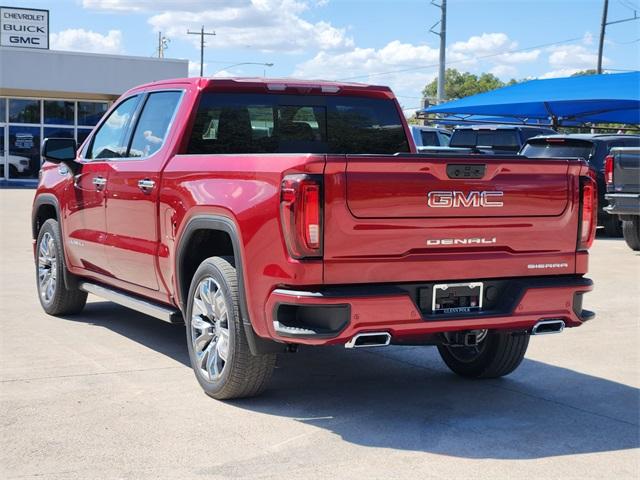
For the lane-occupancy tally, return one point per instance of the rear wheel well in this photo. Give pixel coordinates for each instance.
(200, 245)
(44, 213)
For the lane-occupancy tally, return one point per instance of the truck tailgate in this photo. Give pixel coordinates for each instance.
(626, 170)
(414, 218)
(397, 188)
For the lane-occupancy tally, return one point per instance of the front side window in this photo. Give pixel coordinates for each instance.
(110, 141)
(269, 123)
(153, 126)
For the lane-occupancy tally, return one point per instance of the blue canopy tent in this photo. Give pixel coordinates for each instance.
(608, 98)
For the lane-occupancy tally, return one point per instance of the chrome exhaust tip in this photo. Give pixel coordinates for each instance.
(545, 327)
(369, 339)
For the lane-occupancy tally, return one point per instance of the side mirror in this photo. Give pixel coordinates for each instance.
(57, 150)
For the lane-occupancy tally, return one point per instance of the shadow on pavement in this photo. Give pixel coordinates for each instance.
(405, 398)
(152, 333)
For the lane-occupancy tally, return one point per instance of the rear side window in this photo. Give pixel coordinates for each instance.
(263, 123)
(153, 126)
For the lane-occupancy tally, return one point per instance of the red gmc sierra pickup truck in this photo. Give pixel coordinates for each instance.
(265, 214)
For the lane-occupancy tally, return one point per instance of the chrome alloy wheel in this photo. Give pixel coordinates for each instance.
(210, 328)
(47, 267)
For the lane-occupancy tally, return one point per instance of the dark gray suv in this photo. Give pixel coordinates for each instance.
(593, 148)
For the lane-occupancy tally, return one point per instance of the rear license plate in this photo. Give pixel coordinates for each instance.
(457, 298)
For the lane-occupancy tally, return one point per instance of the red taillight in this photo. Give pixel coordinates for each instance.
(311, 215)
(301, 216)
(588, 215)
(608, 169)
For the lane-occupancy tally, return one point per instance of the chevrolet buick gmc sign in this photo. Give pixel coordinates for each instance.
(24, 27)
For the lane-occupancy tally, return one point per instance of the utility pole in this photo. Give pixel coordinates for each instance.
(202, 33)
(163, 44)
(603, 27)
(443, 46)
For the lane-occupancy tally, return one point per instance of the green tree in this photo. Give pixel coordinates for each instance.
(462, 84)
(591, 71)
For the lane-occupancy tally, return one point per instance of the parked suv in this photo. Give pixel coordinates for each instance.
(593, 148)
(266, 214)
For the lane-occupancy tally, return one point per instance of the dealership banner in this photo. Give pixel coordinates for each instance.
(24, 27)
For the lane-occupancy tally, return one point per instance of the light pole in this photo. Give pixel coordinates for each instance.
(245, 63)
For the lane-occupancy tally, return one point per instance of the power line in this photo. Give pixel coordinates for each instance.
(628, 4)
(481, 57)
(625, 43)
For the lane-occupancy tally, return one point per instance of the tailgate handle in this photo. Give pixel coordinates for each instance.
(461, 170)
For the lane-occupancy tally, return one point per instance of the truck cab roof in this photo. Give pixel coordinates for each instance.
(275, 85)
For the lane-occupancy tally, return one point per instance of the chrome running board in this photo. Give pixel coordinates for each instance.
(162, 312)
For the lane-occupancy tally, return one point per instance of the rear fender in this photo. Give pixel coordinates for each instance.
(257, 344)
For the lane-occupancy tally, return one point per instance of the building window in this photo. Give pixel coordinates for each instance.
(24, 111)
(89, 113)
(59, 112)
(57, 132)
(24, 122)
(2, 173)
(83, 133)
(24, 151)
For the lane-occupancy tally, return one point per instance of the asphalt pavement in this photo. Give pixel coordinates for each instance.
(109, 394)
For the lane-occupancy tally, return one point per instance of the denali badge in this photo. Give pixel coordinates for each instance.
(443, 199)
(461, 241)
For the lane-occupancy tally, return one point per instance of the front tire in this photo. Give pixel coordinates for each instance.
(218, 348)
(631, 232)
(54, 295)
(497, 355)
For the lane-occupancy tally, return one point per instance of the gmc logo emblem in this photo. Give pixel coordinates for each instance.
(455, 199)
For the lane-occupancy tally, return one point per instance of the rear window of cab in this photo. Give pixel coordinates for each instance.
(272, 123)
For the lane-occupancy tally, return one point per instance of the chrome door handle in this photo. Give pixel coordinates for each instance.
(99, 182)
(146, 184)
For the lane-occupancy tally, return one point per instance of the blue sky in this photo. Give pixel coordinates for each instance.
(367, 41)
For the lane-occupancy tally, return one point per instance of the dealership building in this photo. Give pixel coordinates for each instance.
(48, 93)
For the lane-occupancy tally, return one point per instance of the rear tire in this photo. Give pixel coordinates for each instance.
(497, 355)
(54, 295)
(613, 227)
(218, 348)
(631, 232)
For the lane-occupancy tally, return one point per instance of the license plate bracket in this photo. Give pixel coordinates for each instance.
(452, 298)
